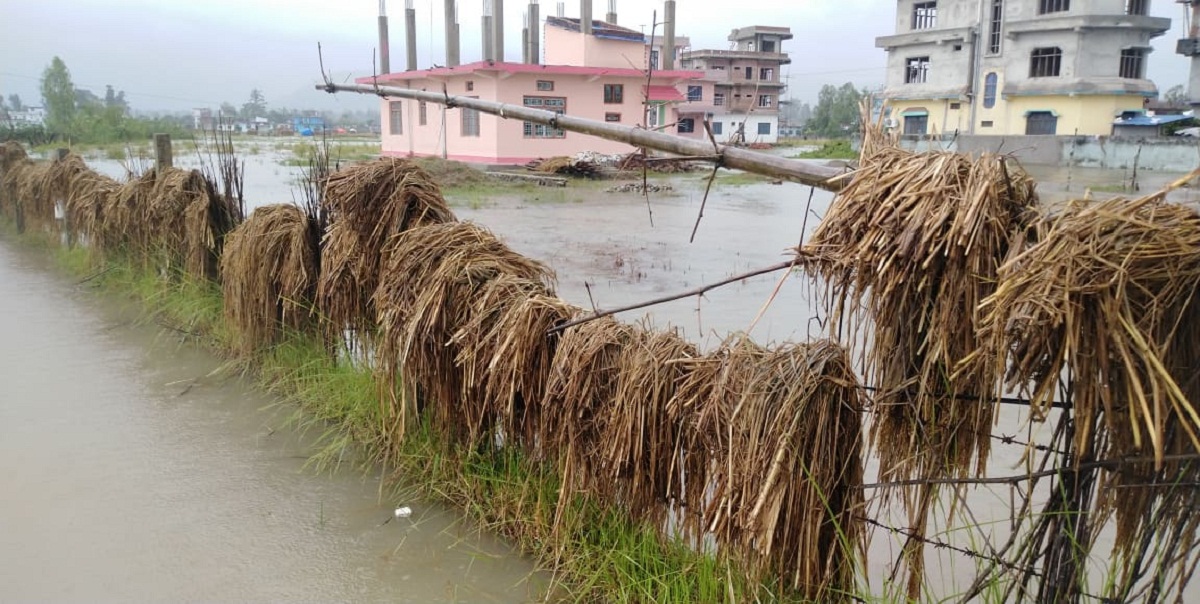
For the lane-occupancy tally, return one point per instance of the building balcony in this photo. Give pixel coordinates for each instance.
(777, 57)
(956, 35)
(1154, 26)
(1078, 87)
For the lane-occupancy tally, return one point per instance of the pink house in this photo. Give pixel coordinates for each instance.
(598, 76)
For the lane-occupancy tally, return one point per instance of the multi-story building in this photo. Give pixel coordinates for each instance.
(1018, 66)
(747, 83)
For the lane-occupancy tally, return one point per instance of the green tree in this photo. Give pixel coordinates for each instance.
(1176, 95)
(58, 96)
(112, 99)
(256, 106)
(837, 111)
(14, 102)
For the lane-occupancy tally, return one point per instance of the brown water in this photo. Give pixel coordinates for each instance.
(132, 468)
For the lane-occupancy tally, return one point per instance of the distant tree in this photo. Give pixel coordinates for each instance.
(1176, 95)
(86, 98)
(58, 96)
(114, 99)
(14, 102)
(228, 111)
(837, 110)
(256, 106)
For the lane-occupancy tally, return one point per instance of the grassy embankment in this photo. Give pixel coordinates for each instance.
(595, 553)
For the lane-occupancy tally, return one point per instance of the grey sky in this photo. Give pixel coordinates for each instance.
(178, 54)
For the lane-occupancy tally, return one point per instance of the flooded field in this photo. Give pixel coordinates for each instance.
(134, 468)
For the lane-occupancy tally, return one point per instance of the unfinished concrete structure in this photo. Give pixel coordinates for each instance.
(747, 83)
(1003, 67)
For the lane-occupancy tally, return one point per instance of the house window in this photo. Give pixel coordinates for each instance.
(1045, 62)
(924, 15)
(545, 86)
(686, 126)
(986, 124)
(764, 127)
(767, 74)
(954, 106)
(995, 26)
(612, 117)
(916, 125)
(749, 73)
(470, 122)
(1041, 122)
(614, 94)
(717, 67)
(422, 113)
(395, 118)
(1133, 63)
(764, 100)
(768, 46)
(1053, 6)
(549, 103)
(719, 99)
(470, 86)
(916, 70)
(716, 127)
(1137, 7)
(989, 90)
(654, 59)
(695, 93)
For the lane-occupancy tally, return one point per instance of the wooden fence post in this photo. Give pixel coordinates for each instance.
(162, 152)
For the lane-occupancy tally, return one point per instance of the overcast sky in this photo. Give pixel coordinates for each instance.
(178, 54)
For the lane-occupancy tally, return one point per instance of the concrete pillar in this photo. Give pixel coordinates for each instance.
(489, 48)
(525, 41)
(611, 17)
(585, 17)
(385, 52)
(668, 50)
(162, 152)
(410, 24)
(498, 30)
(451, 33)
(535, 37)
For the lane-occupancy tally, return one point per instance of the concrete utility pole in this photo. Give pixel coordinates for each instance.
(585, 17)
(162, 152)
(535, 37)
(385, 54)
(611, 17)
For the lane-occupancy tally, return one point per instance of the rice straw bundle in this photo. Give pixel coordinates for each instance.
(269, 274)
(126, 218)
(1108, 301)
(637, 436)
(13, 161)
(786, 493)
(368, 204)
(583, 383)
(34, 200)
(505, 354)
(188, 220)
(90, 193)
(917, 238)
(426, 294)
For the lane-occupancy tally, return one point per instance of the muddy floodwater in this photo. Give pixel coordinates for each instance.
(133, 468)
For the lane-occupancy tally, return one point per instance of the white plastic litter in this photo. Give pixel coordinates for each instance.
(403, 512)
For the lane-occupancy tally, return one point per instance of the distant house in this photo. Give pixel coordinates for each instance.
(29, 116)
(202, 119)
(1137, 125)
(598, 76)
(308, 125)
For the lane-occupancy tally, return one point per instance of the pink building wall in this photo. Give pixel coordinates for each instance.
(565, 47)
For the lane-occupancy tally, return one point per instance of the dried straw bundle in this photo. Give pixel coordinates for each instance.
(637, 435)
(126, 218)
(369, 203)
(188, 220)
(34, 199)
(505, 354)
(269, 274)
(917, 239)
(90, 193)
(583, 384)
(786, 493)
(13, 161)
(426, 294)
(1108, 300)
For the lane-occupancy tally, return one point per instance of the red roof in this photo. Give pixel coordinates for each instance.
(662, 93)
(495, 66)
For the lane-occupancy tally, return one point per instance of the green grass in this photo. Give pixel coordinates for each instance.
(833, 149)
(736, 179)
